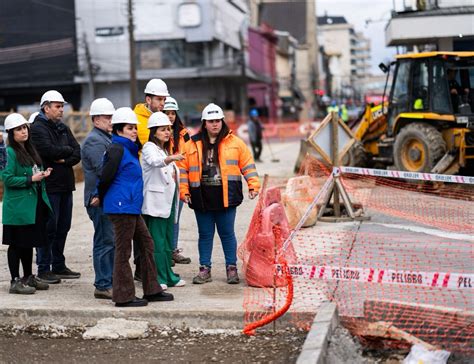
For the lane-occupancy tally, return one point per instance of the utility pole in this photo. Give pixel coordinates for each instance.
(243, 77)
(131, 44)
(90, 69)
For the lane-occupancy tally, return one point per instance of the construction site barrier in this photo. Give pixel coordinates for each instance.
(406, 276)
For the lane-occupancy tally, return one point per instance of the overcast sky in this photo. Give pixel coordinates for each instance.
(357, 12)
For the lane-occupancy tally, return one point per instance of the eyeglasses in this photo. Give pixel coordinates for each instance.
(217, 121)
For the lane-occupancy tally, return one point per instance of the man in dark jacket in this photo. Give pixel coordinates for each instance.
(59, 150)
(92, 153)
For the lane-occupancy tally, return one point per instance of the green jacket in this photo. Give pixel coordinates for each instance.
(20, 195)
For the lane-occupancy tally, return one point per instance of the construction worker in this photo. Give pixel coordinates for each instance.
(211, 183)
(333, 107)
(255, 130)
(120, 191)
(92, 153)
(156, 93)
(60, 151)
(344, 114)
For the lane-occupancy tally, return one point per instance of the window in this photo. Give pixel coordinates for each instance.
(169, 54)
(399, 99)
(420, 94)
(441, 97)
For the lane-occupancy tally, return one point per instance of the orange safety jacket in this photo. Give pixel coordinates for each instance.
(183, 139)
(235, 160)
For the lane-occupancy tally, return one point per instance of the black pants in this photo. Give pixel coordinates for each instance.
(17, 254)
(256, 149)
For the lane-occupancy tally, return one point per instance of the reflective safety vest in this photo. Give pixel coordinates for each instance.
(235, 161)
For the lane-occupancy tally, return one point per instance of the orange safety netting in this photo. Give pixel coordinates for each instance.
(409, 267)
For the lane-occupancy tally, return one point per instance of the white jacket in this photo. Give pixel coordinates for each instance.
(159, 187)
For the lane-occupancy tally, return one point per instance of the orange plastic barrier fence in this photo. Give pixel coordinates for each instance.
(408, 268)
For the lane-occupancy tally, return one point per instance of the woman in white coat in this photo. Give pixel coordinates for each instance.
(161, 195)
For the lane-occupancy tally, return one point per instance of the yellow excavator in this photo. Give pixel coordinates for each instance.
(427, 124)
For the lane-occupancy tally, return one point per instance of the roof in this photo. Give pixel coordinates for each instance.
(435, 54)
(455, 10)
(331, 20)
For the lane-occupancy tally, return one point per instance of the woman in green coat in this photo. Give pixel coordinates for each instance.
(25, 205)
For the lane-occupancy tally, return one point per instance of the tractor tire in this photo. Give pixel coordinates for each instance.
(418, 147)
(356, 156)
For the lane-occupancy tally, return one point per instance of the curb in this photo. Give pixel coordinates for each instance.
(316, 343)
(78, 317)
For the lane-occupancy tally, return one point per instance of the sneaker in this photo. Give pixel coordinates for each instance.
(180, 259)
(204, 275)
(18, 287)
(48, 277)
(32, 281)
(104, 294)
(232, 275)
(157, 297)
(136, 302)
(181, 283)
(66, 273)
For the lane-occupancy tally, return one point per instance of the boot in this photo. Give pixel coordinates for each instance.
(180, 259)
(232, 275)
(18, 287)
(204, 275)
(31, 281)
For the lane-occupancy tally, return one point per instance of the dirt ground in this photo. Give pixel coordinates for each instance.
(164, 345)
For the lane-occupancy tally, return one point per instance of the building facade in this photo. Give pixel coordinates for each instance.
(196, 47)
(442, 25)
(345, 56)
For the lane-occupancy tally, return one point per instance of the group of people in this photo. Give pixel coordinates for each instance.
(140, 167)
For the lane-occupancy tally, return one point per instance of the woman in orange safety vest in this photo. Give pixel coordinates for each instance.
(211, 183)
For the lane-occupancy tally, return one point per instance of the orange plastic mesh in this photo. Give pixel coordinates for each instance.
(410, 266)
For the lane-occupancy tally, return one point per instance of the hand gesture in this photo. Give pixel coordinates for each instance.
(187, 199)
(177, 157)
(95, 201)
(253, 194)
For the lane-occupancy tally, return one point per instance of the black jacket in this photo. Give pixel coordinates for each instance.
(54, 142)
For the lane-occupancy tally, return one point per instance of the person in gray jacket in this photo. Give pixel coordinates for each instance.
(92, 152)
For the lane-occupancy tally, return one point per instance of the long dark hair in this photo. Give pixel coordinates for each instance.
(153, 139)
(177, 127)
(206, 144)
(26, 154)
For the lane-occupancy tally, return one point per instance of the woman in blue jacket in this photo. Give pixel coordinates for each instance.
(121, 191)
(25, 205)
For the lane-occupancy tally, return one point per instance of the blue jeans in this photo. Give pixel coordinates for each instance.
(176, 227)
(104, 248)
(59, 222)
(207, 223)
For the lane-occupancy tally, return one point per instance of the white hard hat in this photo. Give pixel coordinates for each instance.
(157, 87)
(52, 96)
(33, 117)
(102, 106)
(171, 104)
(212, 112)
(14, 120)
(124, 115)
(158, 119)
